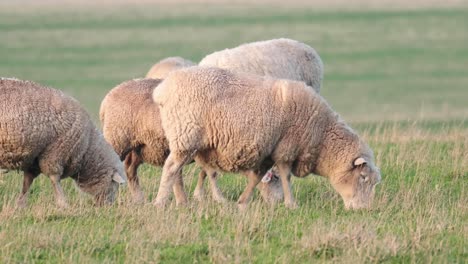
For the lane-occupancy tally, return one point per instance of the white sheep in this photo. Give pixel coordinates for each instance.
(42, 130)
(131, 124)
(161, 69)
(242, 122)
(278, 58)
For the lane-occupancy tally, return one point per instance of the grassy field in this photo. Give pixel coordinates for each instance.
(399, 77)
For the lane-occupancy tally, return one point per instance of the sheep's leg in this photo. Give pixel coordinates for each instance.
(28, 179)
(172, 167)
(285, 176)
(244, 199)
(132, 162)
(178, 188)
(215, 191)
(59, 194)
(199, 192)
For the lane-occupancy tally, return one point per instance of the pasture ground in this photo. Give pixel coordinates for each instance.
(396, 73)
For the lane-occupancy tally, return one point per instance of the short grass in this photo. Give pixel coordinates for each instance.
(399, 77)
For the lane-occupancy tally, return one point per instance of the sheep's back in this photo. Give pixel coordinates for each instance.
(232, 120)
(279, 58)
(131, 119)
(167, 65)
(32, 117)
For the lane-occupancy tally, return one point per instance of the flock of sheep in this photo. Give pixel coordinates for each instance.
(254, 109)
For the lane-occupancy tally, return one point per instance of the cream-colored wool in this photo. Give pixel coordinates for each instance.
(278, 58)
(42, 130)
(161, 69)
(131, 124)
(241, 122)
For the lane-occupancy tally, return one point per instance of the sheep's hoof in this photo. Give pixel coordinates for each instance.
(199, 195)
(199, 198)
(181, 199)
(242, 207)
(138, 201)
(220, 200)
(21, 203)
(160, 203)
(138, 198)
(291, 205)
(62, 204)
(183, 203)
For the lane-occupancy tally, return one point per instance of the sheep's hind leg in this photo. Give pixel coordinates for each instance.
(199, 192)
(285, 175)
(215, 191)
(28, 179)
(171, 170)
(178, 188)
(132, 162)
(59, 194)
(244, 199)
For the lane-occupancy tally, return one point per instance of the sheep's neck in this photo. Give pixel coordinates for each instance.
(339, 143)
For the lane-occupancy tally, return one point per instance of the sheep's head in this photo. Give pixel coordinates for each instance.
(109, 193)
(356, 184)
(104, 188)
(270, 187)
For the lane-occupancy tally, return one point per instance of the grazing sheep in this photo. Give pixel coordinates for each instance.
(161, 69)
(278, 58)
(242, 122)
(131, 124)
(45, 131)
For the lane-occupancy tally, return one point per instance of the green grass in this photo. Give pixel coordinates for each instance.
(399, 77)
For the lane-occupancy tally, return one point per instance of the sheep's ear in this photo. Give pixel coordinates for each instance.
(359, 161)
(118, 179)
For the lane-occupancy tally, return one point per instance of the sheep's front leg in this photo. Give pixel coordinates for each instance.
(28, 179)
(172, 167)
(132, 162)
(59, 194)
(244, 199)
(285, 175)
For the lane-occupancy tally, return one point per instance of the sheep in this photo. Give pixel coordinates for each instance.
(42, 130)
(132, 126)
(165, 66)
(279, 58)
(241, 122)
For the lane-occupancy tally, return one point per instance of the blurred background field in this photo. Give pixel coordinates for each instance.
(397, 71)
